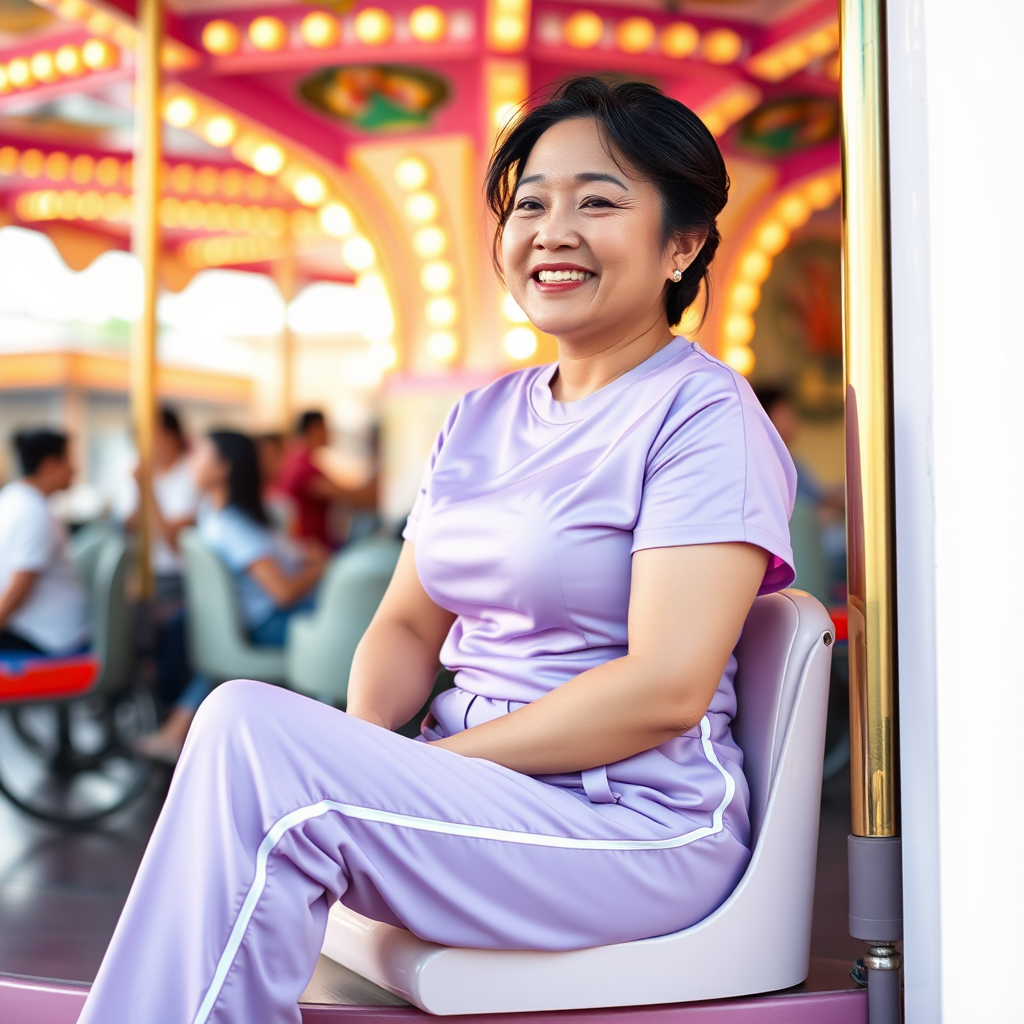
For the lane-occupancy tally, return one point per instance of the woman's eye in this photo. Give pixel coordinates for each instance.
(528, 204)
(597, 201)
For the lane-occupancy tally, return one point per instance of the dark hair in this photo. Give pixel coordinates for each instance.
(170, 423)
(662, 139)
(34, 447)
(769, 395)
(307, 419)
(239, 452)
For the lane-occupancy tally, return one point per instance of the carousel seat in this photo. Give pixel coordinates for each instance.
(757, 941)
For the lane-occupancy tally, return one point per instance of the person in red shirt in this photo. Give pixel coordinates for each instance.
(310, 489)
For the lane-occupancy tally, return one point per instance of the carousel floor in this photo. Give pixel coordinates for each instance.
(61, 893)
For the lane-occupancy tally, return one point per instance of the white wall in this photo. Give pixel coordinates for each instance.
(957, 154)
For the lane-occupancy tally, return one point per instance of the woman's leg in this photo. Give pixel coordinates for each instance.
(280, 805)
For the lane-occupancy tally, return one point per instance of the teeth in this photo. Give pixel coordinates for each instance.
(558, 276)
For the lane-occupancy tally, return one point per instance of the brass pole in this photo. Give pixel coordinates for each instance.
(869, 452)
(146, 245)
(286, 278)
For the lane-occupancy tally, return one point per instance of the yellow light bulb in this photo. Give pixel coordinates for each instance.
(310, 189)
(820, 193)
(679, 40)
(442, 346)
(268, 33)
(738, 329)
(220, 130)
(180, 111)
(421, 207)
(108, 170)
(503, 113)
(20, 74)
(336, 220)
(755, 266)
(372, 26)
(358, 253)
(268, 159)
(221, 37)
(5, 82)
(634, 35)
(427, 23)
(722, 46)
(520, 343)
(513, 311)
(8, 160)
(772, 237)
(44, 68)
(508, 32)
(583, 30)
(69, 62)
(793, 211)
(411, 173)
(740, 358)
(99, 55)
(81, 168)
(56, 166)
(32, 162)
(437, 276)
(745, 297)
(320, 29)
(441, 312)
(429, 242)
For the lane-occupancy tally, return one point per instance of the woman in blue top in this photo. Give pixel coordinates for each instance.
(273, 577)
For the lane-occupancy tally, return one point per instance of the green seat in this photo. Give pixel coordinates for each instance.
(219, 646)
(321, 643)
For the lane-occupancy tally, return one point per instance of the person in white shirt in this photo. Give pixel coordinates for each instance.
(43, 604)
(173, 503)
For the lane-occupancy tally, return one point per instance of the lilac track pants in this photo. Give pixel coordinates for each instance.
(281, 805)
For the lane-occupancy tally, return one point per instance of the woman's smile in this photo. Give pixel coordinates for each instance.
(556, 278)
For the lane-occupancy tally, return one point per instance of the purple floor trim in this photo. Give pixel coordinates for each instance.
(26, 1001)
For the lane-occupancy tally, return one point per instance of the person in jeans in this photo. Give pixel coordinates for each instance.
(43, 605)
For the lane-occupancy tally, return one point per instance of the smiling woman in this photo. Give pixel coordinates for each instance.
(587, 541)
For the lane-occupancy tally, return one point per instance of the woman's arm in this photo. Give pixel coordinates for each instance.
(285, 589)
(396, 661)
(686, 610)
(17, 590)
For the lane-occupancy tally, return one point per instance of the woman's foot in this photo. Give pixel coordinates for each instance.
(166, 743)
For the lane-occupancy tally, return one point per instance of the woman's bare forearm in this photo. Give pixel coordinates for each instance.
(392, 674)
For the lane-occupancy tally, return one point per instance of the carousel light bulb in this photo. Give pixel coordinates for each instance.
(679, 40)
(442, 346)
(99, 55)
(8, 159)
(108, 170)
(180, 111)
(722, 46)
(336, 220)
(268, 33)
(56, 166)
(429, 242)
(583, 30)
(820, 193)
(740, 358)
(508, 31)
(309, 189)
(634, 35)
(32, 161)
(513, 311)
(422, 207)
(441, 312)
(220, 130)
(738, 329)
(81, 168)
(320, 29)
(372, 26)
(427, 23)
(69, 61)
(358, 253)
(520, 343)
(772, 237)
(268, 159)
(20, 73)
(5, 82)
(221, 38)
(411, 173)
(43, 67)
(755, 266)
(503, 113)
(437, 276)
(72, 10)
(745, 297)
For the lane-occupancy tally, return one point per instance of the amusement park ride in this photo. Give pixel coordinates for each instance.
(345, 141)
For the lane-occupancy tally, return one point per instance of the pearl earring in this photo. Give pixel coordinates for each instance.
(677, 276)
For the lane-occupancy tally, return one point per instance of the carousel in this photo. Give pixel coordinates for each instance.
(345, 142)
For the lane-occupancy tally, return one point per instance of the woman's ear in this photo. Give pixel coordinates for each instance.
(685, 248)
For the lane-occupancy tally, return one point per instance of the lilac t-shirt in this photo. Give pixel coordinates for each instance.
(530, 510)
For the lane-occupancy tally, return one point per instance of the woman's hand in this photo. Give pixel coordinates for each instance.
(285, 589)
(687, 607)
(396, 661)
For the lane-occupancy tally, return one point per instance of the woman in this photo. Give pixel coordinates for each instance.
(273, 578)
(588, 539)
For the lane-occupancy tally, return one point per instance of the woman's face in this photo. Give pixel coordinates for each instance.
(582, 250)
(208, 468)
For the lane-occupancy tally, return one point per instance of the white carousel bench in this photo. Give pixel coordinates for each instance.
(757, 941)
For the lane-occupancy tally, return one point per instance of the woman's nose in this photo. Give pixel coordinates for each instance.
(556, 231)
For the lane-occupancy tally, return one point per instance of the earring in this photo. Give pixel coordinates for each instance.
(677, 276)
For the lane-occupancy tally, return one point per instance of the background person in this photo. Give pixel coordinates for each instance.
(273, 577)
(43, 604)
(172, 503)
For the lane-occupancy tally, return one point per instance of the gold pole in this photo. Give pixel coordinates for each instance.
(869, 460)
(286, 279)
(146, 245)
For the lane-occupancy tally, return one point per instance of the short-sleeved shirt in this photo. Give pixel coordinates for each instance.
(240, 541)
(55, 614)
(311, 516)
(530, 511)
(178, 498)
